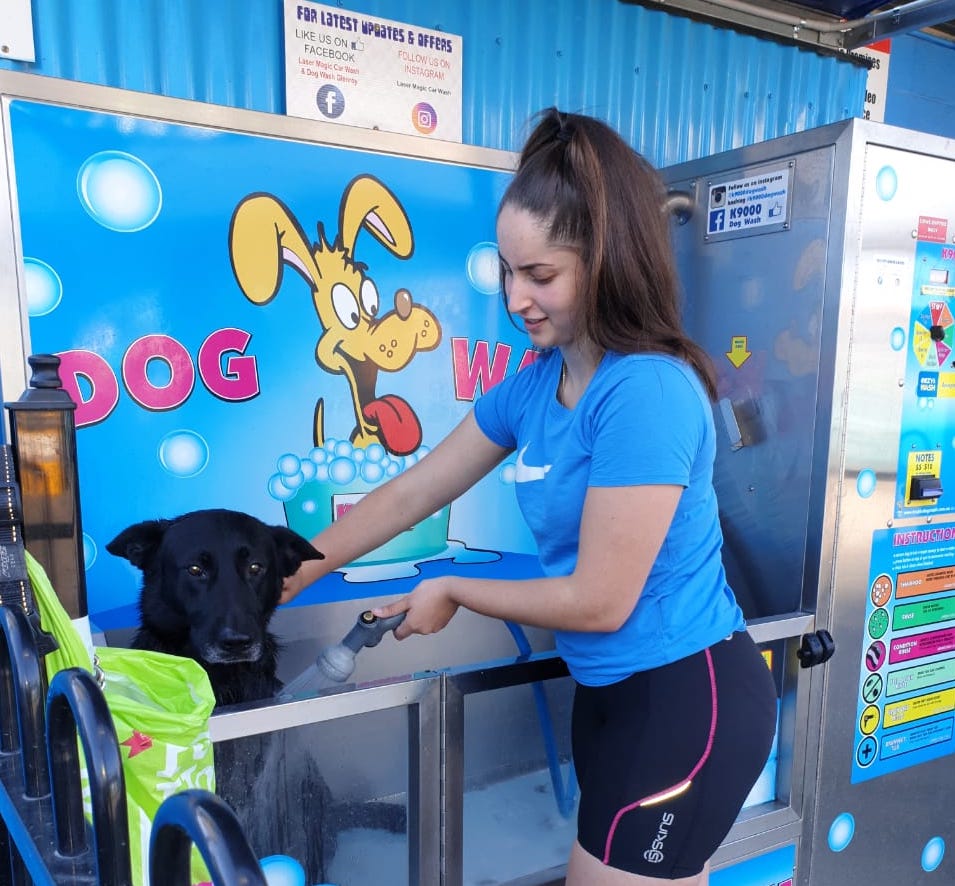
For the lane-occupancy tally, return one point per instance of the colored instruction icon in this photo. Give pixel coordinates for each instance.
(878, 623)
(875, 655)
(881, 590)
(869, 721)
(872, 688)
(866, 751)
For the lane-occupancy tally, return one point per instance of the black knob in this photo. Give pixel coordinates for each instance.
(815, 649)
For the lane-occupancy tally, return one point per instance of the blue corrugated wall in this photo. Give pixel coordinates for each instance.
(921, 74)
(677, 89)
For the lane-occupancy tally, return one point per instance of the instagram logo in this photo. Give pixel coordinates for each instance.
(424, 118)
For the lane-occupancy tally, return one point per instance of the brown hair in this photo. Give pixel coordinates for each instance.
(595, 193)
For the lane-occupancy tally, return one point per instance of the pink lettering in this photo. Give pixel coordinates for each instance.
(468, 373)
(529, 357)
(238, 379)
(97, 376)
(142, 389)
(91, 383)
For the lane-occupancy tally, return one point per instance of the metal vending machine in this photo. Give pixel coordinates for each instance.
(819, 273)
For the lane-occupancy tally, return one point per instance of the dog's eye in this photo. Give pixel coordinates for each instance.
(195, 569)
(255, 568)
(369, 297)
(345, 305)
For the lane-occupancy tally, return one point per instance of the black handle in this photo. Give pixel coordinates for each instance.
(815, 649)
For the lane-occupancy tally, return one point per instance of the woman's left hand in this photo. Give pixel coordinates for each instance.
(429, 608)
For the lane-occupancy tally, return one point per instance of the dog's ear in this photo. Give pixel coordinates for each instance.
(139, 543)
(293, 549)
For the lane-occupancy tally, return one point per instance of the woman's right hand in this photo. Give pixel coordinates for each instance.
(294, 584)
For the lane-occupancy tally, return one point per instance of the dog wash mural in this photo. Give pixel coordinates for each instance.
(222, 355)
(360, 336)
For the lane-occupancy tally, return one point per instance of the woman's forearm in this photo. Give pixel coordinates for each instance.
(552, 603)
(375, 519)
(454, 465)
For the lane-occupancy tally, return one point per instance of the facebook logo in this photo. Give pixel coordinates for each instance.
(330, 101)
(717, 221)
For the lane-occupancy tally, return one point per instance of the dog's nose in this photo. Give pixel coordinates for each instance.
(234, 641)
(403, 304)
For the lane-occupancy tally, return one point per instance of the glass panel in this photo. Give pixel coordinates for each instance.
(46, 468)
(766, 788)
(327, 801)
(520, 795)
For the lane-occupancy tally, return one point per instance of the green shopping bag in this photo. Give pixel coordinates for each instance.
(160, 705)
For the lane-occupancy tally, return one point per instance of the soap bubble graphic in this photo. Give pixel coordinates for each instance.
(897, 339)
(338, 462)
(484, 268)
(932, 854)
(865, 483)
(841, 831)
(119, 191)
(288, 464)
(183, 453)
(342, 470)
(282, 870)
(89, 551)
(43, 286)
(886, 182)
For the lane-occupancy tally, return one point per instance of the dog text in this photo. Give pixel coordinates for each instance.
(159, 374)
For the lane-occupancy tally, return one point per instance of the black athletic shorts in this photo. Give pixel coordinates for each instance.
(666, 758)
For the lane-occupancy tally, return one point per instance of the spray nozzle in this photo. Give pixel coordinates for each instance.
(369, 629)
(336, 663)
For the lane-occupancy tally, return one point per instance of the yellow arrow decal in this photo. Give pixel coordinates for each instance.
(738, 353)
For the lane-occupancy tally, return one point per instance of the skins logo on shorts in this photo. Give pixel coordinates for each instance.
(654, 854)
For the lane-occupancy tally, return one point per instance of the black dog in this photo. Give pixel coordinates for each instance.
(211, 584)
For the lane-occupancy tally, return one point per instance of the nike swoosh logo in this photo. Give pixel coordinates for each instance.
(525, 473)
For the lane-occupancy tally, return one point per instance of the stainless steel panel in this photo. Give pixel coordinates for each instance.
(767, 288)
(848, 336)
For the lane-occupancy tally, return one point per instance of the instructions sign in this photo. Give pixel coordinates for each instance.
(755, 204)
(906, 703)
(347, 67)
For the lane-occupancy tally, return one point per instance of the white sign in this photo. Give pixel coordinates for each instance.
(347, 67)
(16, 30)
(747, 203)
(877, 81)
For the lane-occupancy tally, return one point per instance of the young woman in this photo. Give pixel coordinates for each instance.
(674, 709)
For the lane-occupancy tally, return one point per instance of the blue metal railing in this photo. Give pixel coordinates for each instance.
(45, 836)
(200, 818)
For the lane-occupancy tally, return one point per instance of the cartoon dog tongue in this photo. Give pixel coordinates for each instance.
(397, 422)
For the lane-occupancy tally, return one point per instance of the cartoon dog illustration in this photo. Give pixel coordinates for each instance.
(356, 341)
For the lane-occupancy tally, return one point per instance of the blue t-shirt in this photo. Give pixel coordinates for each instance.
(644, 419)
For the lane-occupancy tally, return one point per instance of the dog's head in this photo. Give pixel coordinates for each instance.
(211, 581)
